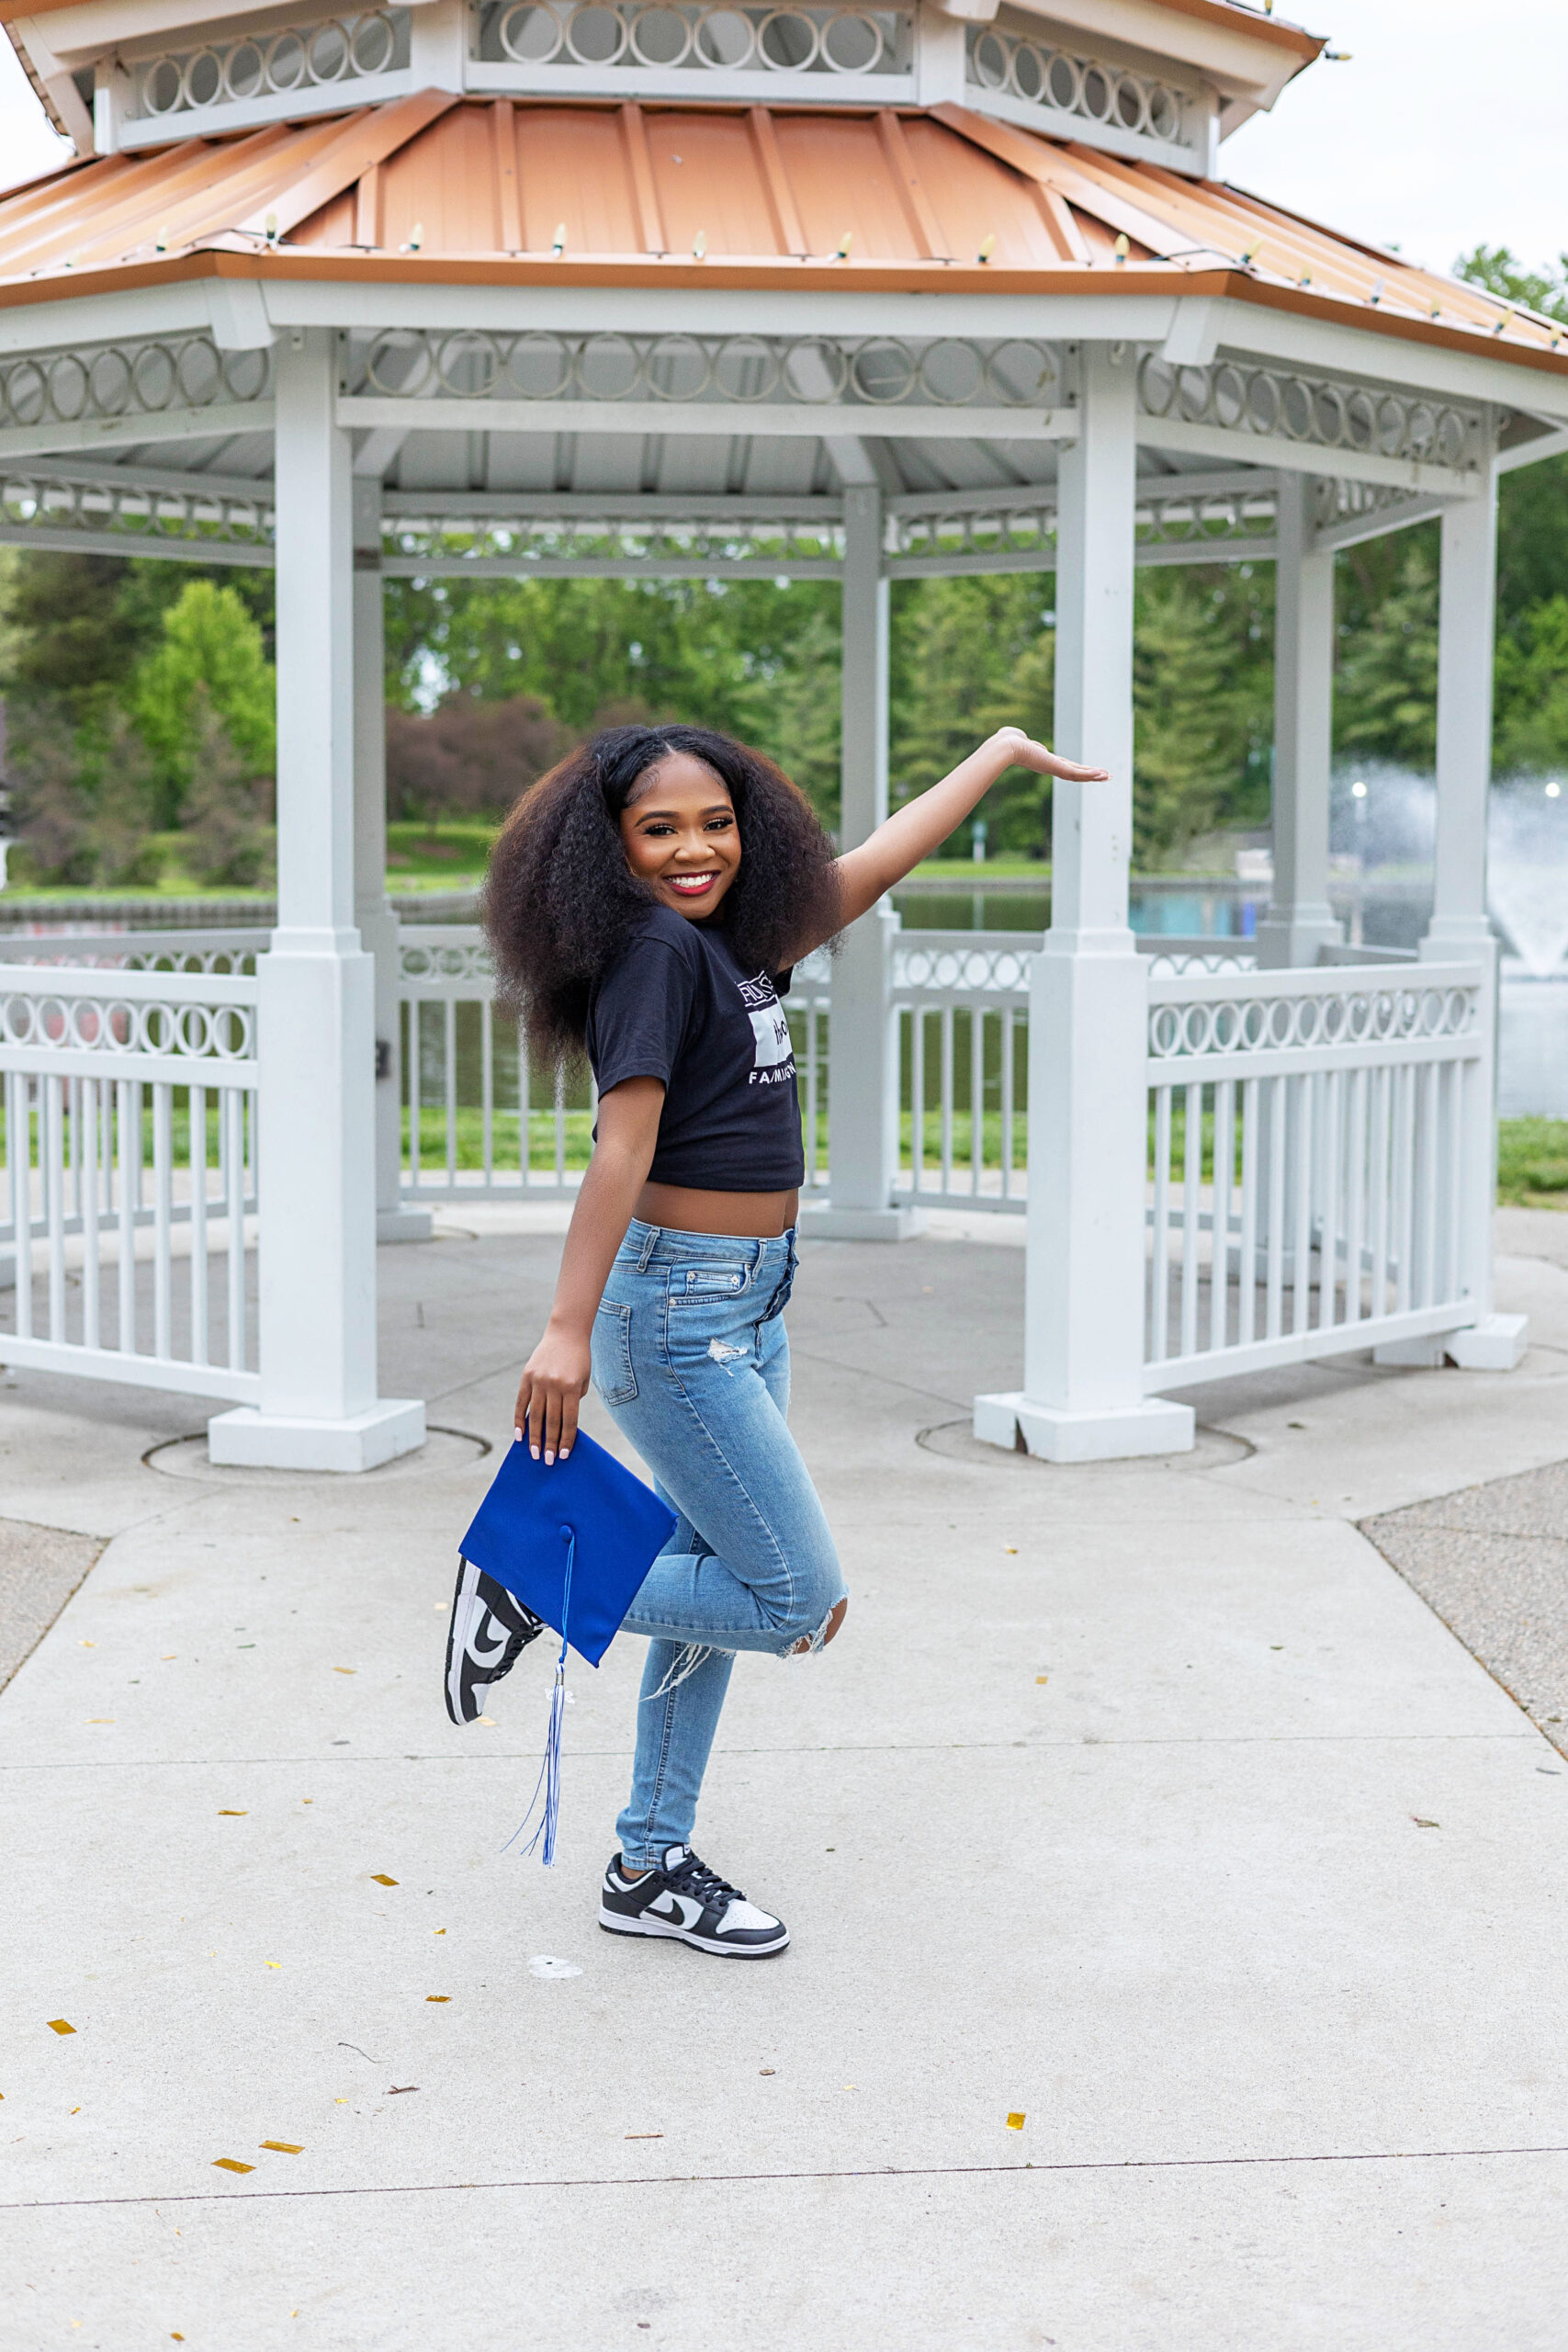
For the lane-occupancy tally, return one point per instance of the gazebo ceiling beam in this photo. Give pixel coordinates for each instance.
(568, 504)
(68, 436)
(1181, 519)
(156, 479)
(1308, 458)
(258, 558)
(1376, 523)
(1551, 444)
(775, 420)
(607, 567)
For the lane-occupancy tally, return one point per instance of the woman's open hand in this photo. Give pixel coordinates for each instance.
(555, 1381)
(1025, 752)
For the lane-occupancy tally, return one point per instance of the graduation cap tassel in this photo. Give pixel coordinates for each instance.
(549, 1780)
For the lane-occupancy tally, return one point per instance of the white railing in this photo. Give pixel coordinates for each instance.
(1067, 94)
(1313, 1183)
(315, 66)
(480, 1120)
(961, 999)
(1309, 1185)
(129, 1145)
(960, 1004)
(139, 951)
(591, 45)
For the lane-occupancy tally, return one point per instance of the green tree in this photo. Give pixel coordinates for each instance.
(68, 833)
(969, 655)
(1202, 703)
(66, 635)
(1385, 695)
(229, 831)
(1531, 718)
(211, 645)
(747, 656)
(1532, 501)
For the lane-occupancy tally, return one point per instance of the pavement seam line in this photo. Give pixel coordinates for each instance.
(844, 2172)
(890, 1747)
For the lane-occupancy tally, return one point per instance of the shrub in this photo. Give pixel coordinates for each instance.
(227, 833)
(67, 834)
(469, 758)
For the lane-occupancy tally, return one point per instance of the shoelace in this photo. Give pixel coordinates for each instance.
(518, 1644)
(704, 1886)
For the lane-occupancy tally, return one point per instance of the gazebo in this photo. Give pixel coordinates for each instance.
(587, 285)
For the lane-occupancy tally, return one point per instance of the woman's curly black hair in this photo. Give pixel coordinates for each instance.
(561, 902)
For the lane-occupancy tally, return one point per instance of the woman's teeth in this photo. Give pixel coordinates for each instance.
(691, 883)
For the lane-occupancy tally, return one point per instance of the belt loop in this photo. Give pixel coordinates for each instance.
(648, 1247)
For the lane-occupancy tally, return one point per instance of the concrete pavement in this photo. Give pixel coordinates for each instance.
(1144, 1801)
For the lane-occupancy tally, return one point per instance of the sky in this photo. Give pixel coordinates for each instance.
(1443, 132)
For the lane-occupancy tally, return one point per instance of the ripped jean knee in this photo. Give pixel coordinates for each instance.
(815, 1639)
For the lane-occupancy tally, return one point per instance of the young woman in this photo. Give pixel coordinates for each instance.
(646, 903)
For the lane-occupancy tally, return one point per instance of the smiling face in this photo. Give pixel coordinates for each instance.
(681, 836)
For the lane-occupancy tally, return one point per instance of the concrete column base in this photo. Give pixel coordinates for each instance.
(1424, 1353)
(1494, 1344)
(404, 1225)
(1157, 1426)
(860, 1225)
(251, 1439)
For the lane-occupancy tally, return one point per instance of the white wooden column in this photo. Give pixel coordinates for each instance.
(1082, 1397)
(317, 1174)
(1460, 931)
(1298, 919)
(863, 1069)
(377, 923)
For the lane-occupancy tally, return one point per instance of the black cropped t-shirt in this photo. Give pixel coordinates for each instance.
(677, 1006)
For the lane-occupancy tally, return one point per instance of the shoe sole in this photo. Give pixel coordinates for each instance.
(467, 1610)
(615, 1925)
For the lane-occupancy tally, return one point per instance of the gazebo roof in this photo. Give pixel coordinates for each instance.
(437, 188)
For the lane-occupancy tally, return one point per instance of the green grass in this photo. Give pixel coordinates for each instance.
(469, 1137)
(1532, 1163)
(960, 872)
(450, 858)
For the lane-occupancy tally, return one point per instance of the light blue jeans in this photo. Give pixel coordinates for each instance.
(691, 1358)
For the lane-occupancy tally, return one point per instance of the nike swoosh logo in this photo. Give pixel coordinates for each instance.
(666, 1907)
(480, 1655)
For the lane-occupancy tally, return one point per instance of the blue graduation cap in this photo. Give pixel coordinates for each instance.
(573, 1541)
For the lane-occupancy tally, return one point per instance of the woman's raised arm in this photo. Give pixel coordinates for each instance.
(913, 832)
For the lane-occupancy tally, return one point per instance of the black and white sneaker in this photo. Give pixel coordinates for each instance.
(488, 1632)
(688, 1901)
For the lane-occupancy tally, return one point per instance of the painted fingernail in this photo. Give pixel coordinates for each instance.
(566, 1453)
(549, 1457)
(518, 1435)
(534, 1452)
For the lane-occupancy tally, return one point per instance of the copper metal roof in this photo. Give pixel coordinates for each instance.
(521, 191)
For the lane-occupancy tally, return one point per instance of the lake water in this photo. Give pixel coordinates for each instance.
(1392, 914)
